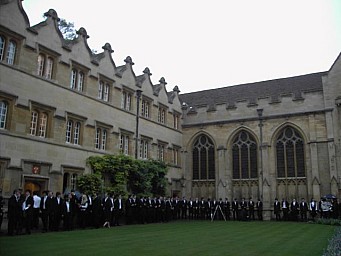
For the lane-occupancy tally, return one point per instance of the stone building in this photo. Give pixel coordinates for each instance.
(60, 103)
(279, 138)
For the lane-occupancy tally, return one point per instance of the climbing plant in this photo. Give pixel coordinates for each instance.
(128, 175)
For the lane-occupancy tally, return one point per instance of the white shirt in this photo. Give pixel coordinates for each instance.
(67, 206)
(36, 200)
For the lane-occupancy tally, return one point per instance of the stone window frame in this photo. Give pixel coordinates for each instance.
(4, 106)
(244, 156)
(125, 142)
(176, 120)
(9, 51)
(290, 159)
(144, 147)
(74, 129)
(146, 107)
(46, 60)
(78, 74)
(126, 99)
(162, 114)
(104, 88)
(41, 120)
(203, 168)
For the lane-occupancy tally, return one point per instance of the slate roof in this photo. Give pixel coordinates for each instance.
(253, 91)
(120, 70)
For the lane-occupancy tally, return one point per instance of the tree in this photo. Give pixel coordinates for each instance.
(67, 29)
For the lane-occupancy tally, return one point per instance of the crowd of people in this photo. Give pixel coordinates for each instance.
(49, 213)
(301, 211)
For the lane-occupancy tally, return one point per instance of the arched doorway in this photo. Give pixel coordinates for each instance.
(35, 183)
(33, 186)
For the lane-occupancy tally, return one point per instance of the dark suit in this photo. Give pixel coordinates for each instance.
(259, 207)
(183, 206)
(118, 210)
(97, 211)
(45, 208)
(58, 212)
(243, 210)
(313, 209)
(235, 209)
(13, 215)
(107, 205)
(196, 209)
(251, 210)
(303, 210)
(227, 209)
(277, 210)
(28, 213)
(285, 209)
(294, 208)
(68, 211)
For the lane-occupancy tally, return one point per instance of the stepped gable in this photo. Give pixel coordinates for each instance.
(252, 91)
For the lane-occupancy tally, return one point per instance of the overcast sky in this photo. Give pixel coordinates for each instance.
(201, 44)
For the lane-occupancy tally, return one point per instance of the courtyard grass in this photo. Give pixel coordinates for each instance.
(178, 238)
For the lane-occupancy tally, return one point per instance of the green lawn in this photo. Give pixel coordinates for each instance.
(178, 238)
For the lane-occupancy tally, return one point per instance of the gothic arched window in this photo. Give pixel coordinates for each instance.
(244, 156)
(203, 159)
(290, 154)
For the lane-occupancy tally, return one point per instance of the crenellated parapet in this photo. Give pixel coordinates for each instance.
(287, 96)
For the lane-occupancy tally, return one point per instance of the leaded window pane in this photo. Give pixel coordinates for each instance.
(2, 47)
(300, 159)
(289, 147)
(100, 89)
(3, 114)
(73, 79)
(253, 161)
(68, 131)
(244, 156)
(42, 125)
(290, 154)
(11, 52)
(40, 65)
(203, 163)
(211, 166)
(280, 160)
(235, 162)
(49, 68)
(98, 134)
(104, 139)
(76, 133)
(80, 81)
(203, 156)
(34, 123)
(195, 158)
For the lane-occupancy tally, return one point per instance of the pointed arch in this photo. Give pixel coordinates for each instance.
(290, 153)
(244, 148)
(203, 157)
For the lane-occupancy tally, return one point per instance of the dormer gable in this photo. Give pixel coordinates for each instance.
(105, 62)
(145, 83)
(126, 73)
(80, 50)
(159, 90)
(173, 96)
(48, 32)
(13, 16)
